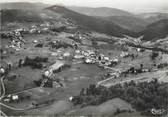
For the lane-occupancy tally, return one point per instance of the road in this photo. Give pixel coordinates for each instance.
(22, 91)
(161, 74)
(3, 87)
(3, 114)
(10, 107)
(15, 109)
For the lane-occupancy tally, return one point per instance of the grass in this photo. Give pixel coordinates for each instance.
(107, 109)
(25, 81)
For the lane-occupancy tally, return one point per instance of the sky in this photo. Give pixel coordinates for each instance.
(129, 5)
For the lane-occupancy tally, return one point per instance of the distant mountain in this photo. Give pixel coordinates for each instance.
(23, 6)
(156, 30)
(92, 23)
(100, 11)
(122, 18)
(17, 15)
(128, 22)
(153, 17)
(53, 12)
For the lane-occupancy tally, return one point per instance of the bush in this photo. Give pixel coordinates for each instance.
(35, 63)
(162, 65)
(40, 45)
(60, 29)
(154, 55)
(60, 44)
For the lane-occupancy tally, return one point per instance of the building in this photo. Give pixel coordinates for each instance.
(57, 66)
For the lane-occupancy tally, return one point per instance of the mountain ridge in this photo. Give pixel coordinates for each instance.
(92, 23)
(155, 30)
(99, 11)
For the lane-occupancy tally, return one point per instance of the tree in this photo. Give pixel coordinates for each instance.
(20, 62)
(82, 91)
(154, 55)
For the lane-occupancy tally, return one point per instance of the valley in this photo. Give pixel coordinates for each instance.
(56, 61)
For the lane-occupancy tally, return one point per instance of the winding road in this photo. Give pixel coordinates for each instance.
(9, 107)
(161, 75)
(15, 109)
(3, 87)
(3, 114)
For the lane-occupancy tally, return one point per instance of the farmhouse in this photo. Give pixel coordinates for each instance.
(57, 66)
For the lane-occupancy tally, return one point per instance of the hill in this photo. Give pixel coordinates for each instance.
(16, 15)
(23, 6)
(107, 108)
(153, 17)
(128, 22)
(156, 30)
(92, 23)
(50, 13)
(100, 11)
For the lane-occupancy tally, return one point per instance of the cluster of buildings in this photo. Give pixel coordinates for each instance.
(48, 79)
(16, 38)
(11, 98)
(42, 28)
(57, 66)
(93, 57)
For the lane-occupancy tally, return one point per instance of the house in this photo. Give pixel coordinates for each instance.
(5, 64)
(35, 41)
(71, 98)
(90, 52)
(78, 56)
(106, 58)
(47, 73)
(10, 98)
(88, 60)
(77, 51)
(15, 97)
(2, 71)
(33, 30)
(157, 111)
(58, 65)
(124, 54)
(6, 100)
(54, 54)
(66, 54)
(56, 84)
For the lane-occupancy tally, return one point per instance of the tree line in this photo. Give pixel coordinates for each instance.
(142, 96)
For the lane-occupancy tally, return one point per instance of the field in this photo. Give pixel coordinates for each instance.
(85, 59)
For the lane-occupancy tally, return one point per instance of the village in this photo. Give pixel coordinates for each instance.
(47, 61)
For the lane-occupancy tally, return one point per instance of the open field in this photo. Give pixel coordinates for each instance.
(71, 64)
